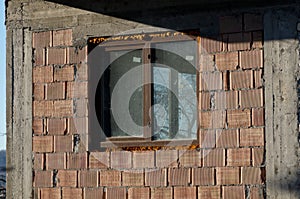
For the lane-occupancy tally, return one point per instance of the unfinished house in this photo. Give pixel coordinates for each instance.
(152, 99)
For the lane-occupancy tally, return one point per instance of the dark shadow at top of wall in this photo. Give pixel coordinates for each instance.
(156, 12)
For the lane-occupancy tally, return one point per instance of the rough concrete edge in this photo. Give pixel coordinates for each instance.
(281, 140)
(19, 114)
(9, 146)
(27, 139)
(269, 101)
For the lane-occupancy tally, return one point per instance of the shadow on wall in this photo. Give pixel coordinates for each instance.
(169, 14)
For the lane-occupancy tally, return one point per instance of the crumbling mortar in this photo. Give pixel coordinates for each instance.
(247, 191)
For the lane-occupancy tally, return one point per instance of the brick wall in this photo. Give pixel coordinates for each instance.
(228, 163)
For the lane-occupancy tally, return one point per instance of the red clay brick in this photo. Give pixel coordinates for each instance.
(233, 192)
(227, 61)
(226, 100)
(257, 39)
(252, 137)
(258, 118)
(63, 143)
(251, 98)
(43, 179)
(77, 125)
(258, 81)
(65, 73)
(206, 63)
(161, 193)
(210, 45)
(43, 108)
(121, 159)
(189, 158)
(238, 157)
(81, 107)
(41, 39)
(55, 161)
(239, 41)
(212, 119)
(256, 193)
(238, 118)
(204, 101)
(227, 138)
(228, 175)
(209, 192)
(55, 91)
(231, 24)
(38, 162)
(77, 90)
(179, 176)
(251, 59)
(185, 192)
(71, 126)
(62, 37)
(166, 158)
(42, 74)
(253, 22)
(88, 179)
(110, 178)
(203, 176)
(98, 160)
(213, 157)
(133, 178)
(82, 72)
(39, 57)
(66, 178)
(209, 81)
(72, 193)
(143, 159)
(56, 56)
(241, 79)
(207, 139)
(93, 193)
(258, 156)
(251, 175)
(38, 91)
(42, 144)
(50, 193)
(139, 193)
(77, 55)
(77, 161)
(156, 177)
(115, 193)
(63, 108)
(56, 126)
(38, 126)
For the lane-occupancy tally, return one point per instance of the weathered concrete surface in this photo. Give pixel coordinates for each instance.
(281, 50)
(19, 113)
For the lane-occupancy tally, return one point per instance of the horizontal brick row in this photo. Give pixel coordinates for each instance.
(231, 100)
(231, 118)
(59, 126)
(150, 178)
(209, 192)
(59, 155)
(231, 42)
(235, 80)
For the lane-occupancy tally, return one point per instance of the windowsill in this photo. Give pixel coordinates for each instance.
(147, 143)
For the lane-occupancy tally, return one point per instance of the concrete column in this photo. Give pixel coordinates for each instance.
(280, 78)
(19, 114)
